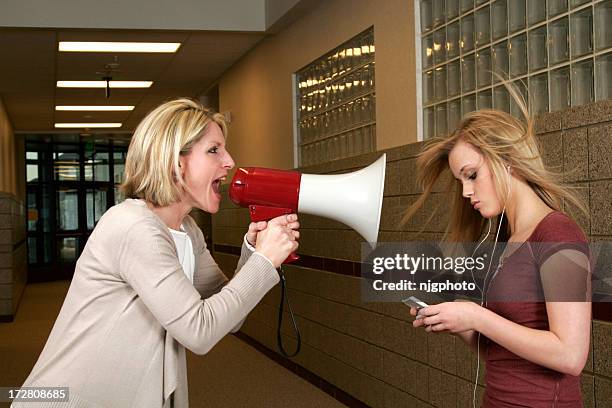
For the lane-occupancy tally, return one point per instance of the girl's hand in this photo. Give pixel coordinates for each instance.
(453, 317)
(415, 312)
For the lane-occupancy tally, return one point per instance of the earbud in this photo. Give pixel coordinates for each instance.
(509, 183)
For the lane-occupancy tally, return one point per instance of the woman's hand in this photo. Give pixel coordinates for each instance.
(254, 229)
(278, 239)
(453, 317)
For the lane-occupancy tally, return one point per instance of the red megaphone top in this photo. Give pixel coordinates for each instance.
(266, 187)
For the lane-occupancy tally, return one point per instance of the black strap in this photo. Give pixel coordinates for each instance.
(279, 337)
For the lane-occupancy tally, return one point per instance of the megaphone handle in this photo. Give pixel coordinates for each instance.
(291, 258)
(266, 213)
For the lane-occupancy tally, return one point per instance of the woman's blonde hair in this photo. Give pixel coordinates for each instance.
(152, 164)
(504, 141)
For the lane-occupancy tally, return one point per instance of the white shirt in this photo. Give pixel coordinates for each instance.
(184, 250)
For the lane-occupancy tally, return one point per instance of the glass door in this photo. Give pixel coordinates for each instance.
(67, 170)
(69, 187)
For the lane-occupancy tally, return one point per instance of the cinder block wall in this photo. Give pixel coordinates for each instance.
(371, 350)
(13, 254)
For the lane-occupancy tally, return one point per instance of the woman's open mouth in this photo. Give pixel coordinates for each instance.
(216, 185)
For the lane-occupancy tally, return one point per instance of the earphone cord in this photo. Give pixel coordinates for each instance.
(473, 253)
(484, 282)
(279, 338)
(482, 297)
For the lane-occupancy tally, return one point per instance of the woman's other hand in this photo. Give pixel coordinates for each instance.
(278, 239)
(254, 229)
(453, 317)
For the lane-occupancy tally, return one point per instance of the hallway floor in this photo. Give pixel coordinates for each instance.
(233, 374)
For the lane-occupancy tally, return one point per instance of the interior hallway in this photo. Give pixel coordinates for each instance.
(233, 374)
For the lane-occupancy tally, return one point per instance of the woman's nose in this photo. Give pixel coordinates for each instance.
(228, 162)
(467, 191)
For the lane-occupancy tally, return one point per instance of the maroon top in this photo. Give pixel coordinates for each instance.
(512, 381)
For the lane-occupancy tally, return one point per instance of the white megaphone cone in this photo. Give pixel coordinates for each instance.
(355, 199)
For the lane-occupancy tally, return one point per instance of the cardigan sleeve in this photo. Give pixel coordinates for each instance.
(148, 263)
(208, 278)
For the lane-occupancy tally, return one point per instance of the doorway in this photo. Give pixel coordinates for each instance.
(71, 181)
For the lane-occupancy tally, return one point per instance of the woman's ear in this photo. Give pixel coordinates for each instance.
(182, 164)
(181, 168)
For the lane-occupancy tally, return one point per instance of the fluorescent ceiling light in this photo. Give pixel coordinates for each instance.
(87, 125)
(79, 46)
(94, 108)
(102, 84)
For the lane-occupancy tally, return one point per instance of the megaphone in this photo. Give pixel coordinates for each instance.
(355, 199)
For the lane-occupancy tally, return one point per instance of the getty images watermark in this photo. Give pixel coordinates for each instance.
(525, 272)
(407, 264)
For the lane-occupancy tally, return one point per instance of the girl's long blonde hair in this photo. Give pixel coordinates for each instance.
(503, 140)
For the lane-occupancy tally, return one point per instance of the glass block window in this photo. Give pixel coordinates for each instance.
(557, 52)
(336, 103)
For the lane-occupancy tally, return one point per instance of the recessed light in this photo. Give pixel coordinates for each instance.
(81, 46)
(102, 84)
(87, 125)
(87, 108)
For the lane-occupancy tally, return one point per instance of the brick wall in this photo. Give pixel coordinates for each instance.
(13, 254)
(371, 351)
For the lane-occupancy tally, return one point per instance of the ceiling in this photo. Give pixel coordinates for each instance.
(31, 65)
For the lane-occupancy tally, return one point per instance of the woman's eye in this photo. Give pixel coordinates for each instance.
(472, 176)
(213, 150)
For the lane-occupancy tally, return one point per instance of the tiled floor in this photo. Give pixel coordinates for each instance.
(233, 374)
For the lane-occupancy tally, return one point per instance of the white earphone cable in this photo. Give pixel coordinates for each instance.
(484, 282)
(483, 293)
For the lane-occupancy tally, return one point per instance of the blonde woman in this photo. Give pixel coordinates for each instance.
(534, 350)
(146, 287)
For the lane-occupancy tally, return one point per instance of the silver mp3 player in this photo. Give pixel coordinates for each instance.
(416, 303)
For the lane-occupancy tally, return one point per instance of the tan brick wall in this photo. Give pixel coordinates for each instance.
(13, 254)
(371, 350)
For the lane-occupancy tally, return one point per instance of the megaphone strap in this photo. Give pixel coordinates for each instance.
(279, 337)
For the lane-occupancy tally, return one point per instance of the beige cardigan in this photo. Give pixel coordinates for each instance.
(119, 338)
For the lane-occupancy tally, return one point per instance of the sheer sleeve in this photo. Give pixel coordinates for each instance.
(566, 276)
(563, 256)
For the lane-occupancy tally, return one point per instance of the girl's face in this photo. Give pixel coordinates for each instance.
(471, 169)
(204, 168)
